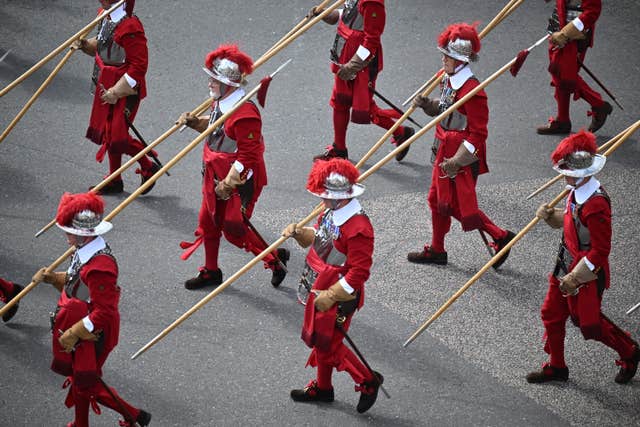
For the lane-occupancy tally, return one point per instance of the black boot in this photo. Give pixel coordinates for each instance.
(204, 278)
(13, 310)
(428, 256)
(114, 187)
(548, 373)
(144, 418)
(499, 244)
(369, 392)
(408, 132)
(628, 368)
(311, 393)
(145, 175)
(331, 152)
(278, 272)
(599, 116)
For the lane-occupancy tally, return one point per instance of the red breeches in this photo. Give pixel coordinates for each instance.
(131, 147)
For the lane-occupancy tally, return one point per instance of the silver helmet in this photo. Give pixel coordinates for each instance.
(226, 72)
(459, 49)
(580, 164)
(87, 223)
(338, 186)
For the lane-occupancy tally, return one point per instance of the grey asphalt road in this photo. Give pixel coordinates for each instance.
(235, 360)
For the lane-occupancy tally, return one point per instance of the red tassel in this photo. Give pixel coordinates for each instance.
(515, 68)
(262, 92)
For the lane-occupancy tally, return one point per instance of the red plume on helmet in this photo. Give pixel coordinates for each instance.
(232, 53)
(71, 204)
(581, 141)
(128, 7)
(322, 169)
(463, 31)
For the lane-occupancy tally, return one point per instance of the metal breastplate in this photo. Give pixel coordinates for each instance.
(109, 51)
(573, 10)
(455, 120)
(75, 287)
(352, 18)
(218, 140)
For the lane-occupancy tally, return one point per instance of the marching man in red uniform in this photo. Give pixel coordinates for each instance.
(86, 323)
(337, 266)
(581, 273)
(234, 171)
(572, 26)
(459, 152)
(356, 60)
(8, 291)
(121, 61)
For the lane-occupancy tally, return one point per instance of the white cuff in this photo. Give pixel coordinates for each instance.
(469, 146)
(130, 80)
(589, 264)
(239, 166)
(578, 24)
(363, 53)
(346, 286)
(88, 324)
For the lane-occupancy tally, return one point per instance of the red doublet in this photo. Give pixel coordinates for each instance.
(584, 308)
(107, 125)
(563, 63)
(219, 217)
(100, 274)
(457, 197)
(319, 330)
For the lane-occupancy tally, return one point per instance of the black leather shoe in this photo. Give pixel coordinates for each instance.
(278, 272)
(407, 133)
(548, 373)
(13, 310)
(555, 128)
(144, 418)
(311, 393)
(114, 187)
(369, 392)
(332, 152)
(628, 368)
(145, 175)
(498, 245)
(428, 256)
(204, 278)
(599, 116)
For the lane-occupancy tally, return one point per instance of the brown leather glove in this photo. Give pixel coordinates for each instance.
(117, 91)
(566, 34)
(431, 107)
(189, 120)
(452, 165)
(88, 46)
(75, 333)
(571, 283)
(303, 235)
(223, 190)
(349, 70)
(330, 18)
(326, 299)
(55, 278)
(552, 216)
(225, 187)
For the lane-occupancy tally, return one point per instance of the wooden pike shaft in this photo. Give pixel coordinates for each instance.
(87, 28)
(33, 284)
(509, 245)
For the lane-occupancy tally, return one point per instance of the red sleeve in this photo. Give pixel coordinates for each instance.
(590, 12)
(477, 112)
(374, 19)
(132, 39)
(359, 245)
(101, 275)
(596, 215)
(246, 130)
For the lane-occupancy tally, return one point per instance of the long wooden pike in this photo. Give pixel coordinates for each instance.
(509, 245)
(559, 176)
(152, 179)
(85, 30)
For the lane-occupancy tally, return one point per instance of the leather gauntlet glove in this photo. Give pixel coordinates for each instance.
(552, 216)
(570, 284)
(431, 107)
(349, 70)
